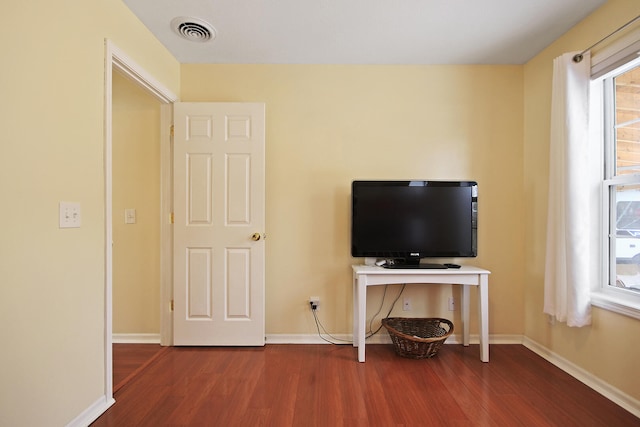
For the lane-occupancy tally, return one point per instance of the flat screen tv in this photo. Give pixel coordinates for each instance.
(405, 221)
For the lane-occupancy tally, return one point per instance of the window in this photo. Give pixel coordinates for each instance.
(618, 94)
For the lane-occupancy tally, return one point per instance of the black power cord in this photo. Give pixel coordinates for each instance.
(393, 304)
(321, 328)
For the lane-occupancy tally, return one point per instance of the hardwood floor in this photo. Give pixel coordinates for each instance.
(324, 385)
(131, 359)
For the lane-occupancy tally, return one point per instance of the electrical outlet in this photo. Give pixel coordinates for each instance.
(406, 304)
(452, 304)
(314, 302)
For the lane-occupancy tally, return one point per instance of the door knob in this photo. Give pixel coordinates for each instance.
(255, 237)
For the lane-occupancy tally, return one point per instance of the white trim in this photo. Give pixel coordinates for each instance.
(136, 338)
(605, 389)
(128, 67)
(381, 337)
(166, 228)
(611, 61)
(615, 54)
(108, 225)
(620, 305)
(92, 413)
(305, 339)
(118, 60)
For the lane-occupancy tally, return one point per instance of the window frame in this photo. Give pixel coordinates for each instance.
(606, 66)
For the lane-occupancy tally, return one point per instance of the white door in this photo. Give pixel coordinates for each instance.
(219, 229)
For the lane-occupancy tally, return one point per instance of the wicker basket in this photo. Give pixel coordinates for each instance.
(417, 338)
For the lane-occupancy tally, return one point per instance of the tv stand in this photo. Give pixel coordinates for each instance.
(466, 276)
(415, 266)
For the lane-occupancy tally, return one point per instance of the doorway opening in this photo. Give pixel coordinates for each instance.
(116, 60)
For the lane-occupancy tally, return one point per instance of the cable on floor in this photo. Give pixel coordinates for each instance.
(320, 328)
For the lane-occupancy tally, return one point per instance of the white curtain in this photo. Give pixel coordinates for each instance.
(568, 271)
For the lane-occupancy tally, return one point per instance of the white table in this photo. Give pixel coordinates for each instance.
(467, 276)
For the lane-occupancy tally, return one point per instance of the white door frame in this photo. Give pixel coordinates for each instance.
(118, 60)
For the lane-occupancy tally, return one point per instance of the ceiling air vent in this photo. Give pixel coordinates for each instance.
(193, 29)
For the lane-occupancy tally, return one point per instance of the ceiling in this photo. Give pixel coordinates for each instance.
(364, 31)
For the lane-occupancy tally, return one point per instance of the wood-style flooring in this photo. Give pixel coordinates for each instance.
(131, 359)
(324, 385)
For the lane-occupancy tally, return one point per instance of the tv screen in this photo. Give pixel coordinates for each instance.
(405, 221)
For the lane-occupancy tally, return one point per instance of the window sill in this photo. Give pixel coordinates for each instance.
(616, 304)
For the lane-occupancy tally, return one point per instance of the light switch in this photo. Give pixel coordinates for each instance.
(69, 215)
(129, 216)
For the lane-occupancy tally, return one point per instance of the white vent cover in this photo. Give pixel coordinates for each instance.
(193, 29)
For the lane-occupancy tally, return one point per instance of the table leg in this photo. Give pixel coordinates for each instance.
(355, 311)
(465, 315)
(362, 314)
(483, 310)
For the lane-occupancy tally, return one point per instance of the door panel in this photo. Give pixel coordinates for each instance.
(218, 206)
(199, 174)
(199, 283)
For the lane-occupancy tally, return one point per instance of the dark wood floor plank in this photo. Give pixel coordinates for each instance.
(130, 359)
(451, 369)
(324, 385)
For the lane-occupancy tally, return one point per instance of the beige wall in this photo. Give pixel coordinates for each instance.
(609, 348)
(329, 125)
(326, 125)
(136, 185)
(52, 293)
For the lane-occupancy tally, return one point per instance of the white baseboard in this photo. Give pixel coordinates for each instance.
(92, 413)
(306, 339)
(381, 337)
(607, 390)
(136, 338)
